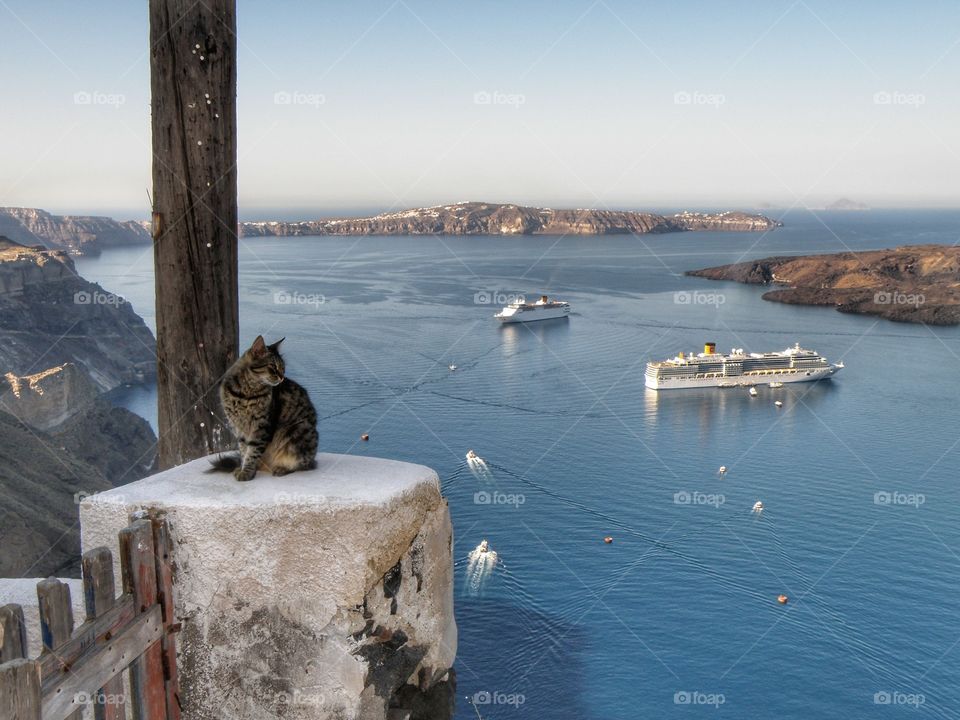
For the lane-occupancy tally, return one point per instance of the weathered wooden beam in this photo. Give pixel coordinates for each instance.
(99, 595)
(20, 690)
(88, 636)
(193, 115)
(60, 698)
(163, 547)
(138, 568)
(13, 633)
(56, 618)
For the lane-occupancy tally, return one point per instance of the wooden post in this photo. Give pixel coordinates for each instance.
(56, 619)
(193, 84)
(13, 633)
(138, 567)
(163, 545)
(20, 690)
(99, 596)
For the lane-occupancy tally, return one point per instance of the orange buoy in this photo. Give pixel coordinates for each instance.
(608, 539)
(782, 599)
(364, 437)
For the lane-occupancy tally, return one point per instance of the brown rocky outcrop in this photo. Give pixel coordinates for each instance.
(916, 283)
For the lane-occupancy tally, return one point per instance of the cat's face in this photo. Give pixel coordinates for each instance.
(265, 361)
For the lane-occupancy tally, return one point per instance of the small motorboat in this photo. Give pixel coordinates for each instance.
(758, 506)
(778, 403)
(753, 392)
(722, 471)
(451, 367)
(471, 455)
(776, 384)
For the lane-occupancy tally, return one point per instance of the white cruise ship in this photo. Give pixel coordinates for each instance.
(542, 309)
(738, 369)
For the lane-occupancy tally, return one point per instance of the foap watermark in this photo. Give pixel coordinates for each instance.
(99, 698)
(895, 697)
(499, 498)
(697, 697)
(298, 696)
(696, 97)
(914, 500)
(895, 297)
(497, 297)
(495, 697)
(284, 297)
(97, 297)
(496, 97)
(698, 498)
(897, 97)
(695, 297)
(84, 97)
(298, 98)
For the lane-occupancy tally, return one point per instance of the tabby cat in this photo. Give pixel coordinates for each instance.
(271, 415)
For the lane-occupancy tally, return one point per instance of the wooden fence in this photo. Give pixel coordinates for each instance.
(84, 667)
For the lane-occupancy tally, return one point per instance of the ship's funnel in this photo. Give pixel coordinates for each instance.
(709, 348)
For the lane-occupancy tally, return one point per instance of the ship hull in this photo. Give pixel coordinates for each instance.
(732, 381)
(534, 315)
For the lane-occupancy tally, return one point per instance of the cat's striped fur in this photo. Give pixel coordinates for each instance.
(271, 415)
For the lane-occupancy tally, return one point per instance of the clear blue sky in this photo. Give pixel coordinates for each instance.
(610, 103)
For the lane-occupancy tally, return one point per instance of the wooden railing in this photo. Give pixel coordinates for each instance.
(83, 667)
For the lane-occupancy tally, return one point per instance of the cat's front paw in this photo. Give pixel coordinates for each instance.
(243, 474)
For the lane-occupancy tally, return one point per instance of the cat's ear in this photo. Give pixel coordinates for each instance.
(276, 346)
(259, 348)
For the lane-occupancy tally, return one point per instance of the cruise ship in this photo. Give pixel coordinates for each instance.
(542, 309)
(738, 369)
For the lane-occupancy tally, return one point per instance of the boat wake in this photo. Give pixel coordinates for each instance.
(481, 563)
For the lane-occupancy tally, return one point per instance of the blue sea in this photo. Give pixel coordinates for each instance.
(678, 616)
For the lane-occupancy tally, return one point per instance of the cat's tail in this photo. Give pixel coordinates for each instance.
(224, 463)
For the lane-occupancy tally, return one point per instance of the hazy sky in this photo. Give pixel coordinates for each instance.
(607, 103)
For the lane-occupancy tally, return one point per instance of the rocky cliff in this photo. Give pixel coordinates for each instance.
(475, 218)
(77, 234)
(63, 342)
(44, 475)
(918, 283)
(47, 398)
(49, 315)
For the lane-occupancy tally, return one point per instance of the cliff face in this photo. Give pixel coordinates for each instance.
(44, 475)
(475, 218)
(919, 283)
(50, 315)
(48, 398)
(77, 234)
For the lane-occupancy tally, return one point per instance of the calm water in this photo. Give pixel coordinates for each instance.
(684, 599)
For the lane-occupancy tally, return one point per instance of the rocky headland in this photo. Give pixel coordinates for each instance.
(914, 283)
(64, 342)
(76, 234)
(476, 218)
(49, 315)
